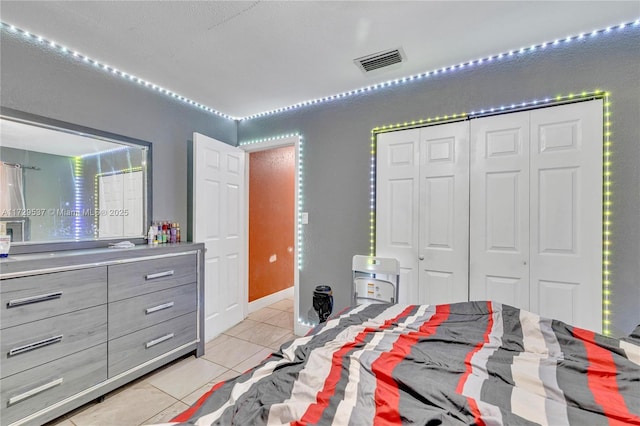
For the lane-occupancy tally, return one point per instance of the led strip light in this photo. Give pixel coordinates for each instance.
(417, 77)
(449, 69)
(12, 29)
(300, 182)
(78, 182)
(607, 201)
(107, 68)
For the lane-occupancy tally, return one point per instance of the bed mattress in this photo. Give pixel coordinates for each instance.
(479, 363)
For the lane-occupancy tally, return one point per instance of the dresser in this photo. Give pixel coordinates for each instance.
(77, 324)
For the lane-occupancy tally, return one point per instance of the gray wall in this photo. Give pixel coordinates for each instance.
(36, 80)
(337, 136)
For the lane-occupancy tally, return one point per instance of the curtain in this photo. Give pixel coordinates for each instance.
(11, 189)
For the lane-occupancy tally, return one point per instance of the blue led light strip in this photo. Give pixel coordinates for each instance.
(416, 77)
(607, 202)
(300, 182)
(107, 68)
(452, 68)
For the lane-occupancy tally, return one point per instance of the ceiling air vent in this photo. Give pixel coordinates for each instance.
(380, 60)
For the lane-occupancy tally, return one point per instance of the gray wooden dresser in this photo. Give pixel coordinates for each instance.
(77, 324)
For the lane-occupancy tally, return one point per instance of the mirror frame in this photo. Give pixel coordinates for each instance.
(38, 120)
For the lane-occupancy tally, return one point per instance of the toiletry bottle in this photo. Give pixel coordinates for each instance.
(150, 236)
(174, 233)
(177, 232)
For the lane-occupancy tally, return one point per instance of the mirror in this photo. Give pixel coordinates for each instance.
(60, 182)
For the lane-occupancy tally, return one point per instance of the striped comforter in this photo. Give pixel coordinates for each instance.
(465, 363)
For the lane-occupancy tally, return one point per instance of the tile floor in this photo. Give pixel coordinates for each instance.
(164, 393)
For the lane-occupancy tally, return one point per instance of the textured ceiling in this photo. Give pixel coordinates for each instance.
(243, 58)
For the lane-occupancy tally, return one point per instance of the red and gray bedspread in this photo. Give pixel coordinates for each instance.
(465, 363)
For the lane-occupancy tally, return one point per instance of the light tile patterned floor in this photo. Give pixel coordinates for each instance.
(166, 392)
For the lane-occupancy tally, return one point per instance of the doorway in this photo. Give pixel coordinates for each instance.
(289, 252)
(271, 222)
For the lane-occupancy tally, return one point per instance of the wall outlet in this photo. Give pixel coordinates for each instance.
(304, 218)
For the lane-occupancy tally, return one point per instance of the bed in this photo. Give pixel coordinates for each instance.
(454, 364)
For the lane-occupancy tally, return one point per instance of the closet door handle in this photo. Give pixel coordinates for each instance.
(420, 257)
(158, 308)
(34, 299)
(35, 345)
(158, 340)
(159, 275)
(34, 391)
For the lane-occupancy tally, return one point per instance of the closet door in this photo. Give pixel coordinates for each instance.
(444, 214)
(566, 213)
(499, 209)
(536, 212)
(397, 206)
(422, 207)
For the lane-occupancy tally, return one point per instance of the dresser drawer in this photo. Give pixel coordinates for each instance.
(32, 390)
(136, 348)
(26, 346)
(146, 276)
(36, 297)
(136, 313)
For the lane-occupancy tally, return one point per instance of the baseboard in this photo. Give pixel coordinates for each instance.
(263, 302)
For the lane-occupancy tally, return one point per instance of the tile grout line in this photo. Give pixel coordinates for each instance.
(227, 369)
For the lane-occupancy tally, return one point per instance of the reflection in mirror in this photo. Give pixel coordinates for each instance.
(59, 184)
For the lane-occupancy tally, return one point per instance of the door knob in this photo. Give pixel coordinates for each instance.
(421, 257)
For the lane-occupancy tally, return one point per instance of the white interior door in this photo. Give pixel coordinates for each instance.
(110, 197)
(397, 221)
(499, 206)
(219, 223)
(444, 214)
(133, 204)
(566, 213)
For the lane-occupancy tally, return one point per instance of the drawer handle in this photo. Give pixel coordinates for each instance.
(159, 275)
(35, 345)
(158, 308)
(34, 299)
(35, 391)
(158, 340)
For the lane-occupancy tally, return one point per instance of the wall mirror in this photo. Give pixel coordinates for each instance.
(61, 182)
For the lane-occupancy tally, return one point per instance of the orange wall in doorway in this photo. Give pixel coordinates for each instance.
(271, 221)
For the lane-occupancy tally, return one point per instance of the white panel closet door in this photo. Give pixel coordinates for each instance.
(499, 225)
(526, 196)
(566, 213)
(444, 214)
(397, 206)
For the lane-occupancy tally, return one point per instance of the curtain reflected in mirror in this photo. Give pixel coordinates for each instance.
(12, 202)
(12, 195)
(60, 185)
